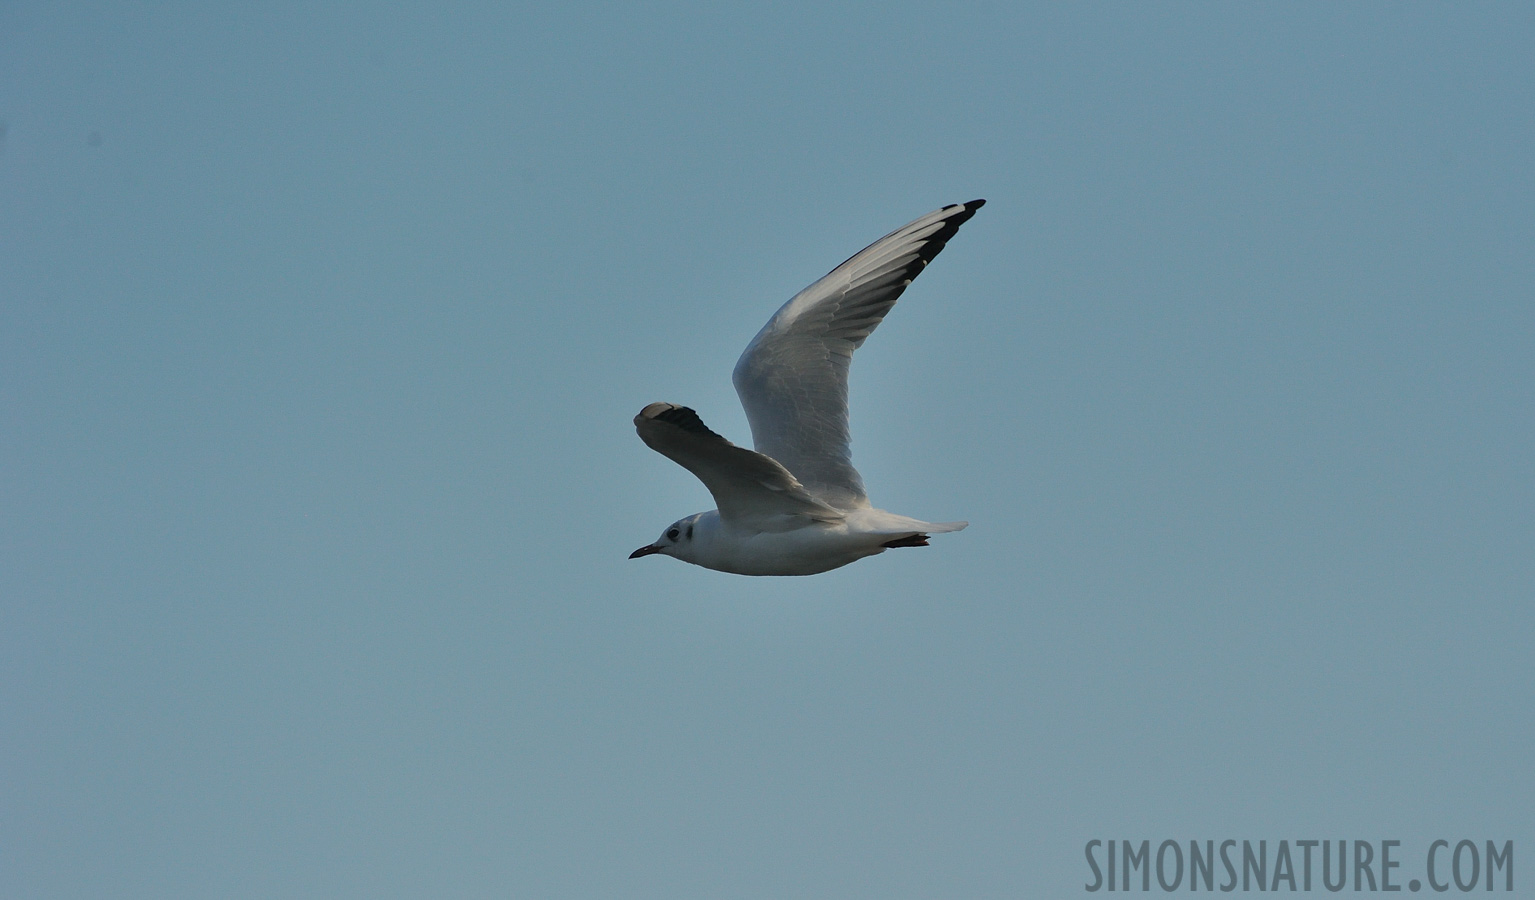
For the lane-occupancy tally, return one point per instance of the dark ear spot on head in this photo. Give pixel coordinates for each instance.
(690, 532)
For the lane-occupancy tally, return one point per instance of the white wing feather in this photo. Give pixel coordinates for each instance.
(792, 379)
(750, 489)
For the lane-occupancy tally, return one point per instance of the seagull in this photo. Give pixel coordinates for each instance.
(796, 505)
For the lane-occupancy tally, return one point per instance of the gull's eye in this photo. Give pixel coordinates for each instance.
(671, 534)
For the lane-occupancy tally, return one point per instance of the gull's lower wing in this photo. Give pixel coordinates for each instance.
(748, 488)
(792, 379)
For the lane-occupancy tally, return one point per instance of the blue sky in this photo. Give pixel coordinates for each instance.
(321, 332)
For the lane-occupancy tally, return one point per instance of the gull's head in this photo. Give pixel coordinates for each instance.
(675, 541)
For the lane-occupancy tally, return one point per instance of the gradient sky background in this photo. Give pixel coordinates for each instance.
(321, 331)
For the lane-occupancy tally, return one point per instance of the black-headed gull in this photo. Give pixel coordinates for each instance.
(796, 505)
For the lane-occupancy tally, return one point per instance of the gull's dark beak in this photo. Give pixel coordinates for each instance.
(645, 551)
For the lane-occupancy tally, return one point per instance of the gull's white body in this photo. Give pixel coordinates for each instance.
(806, 550)
(796, 505)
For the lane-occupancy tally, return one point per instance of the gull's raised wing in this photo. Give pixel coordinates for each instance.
(747, 486)
(792, 379)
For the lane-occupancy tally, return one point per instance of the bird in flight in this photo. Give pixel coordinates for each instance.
(796, 505)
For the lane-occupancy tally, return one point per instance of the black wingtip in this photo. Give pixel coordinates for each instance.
(684, 418)
(672, 414)
(950, 227)
(964, 211)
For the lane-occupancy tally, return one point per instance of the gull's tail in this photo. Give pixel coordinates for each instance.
(919, 539)
(878, 521)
